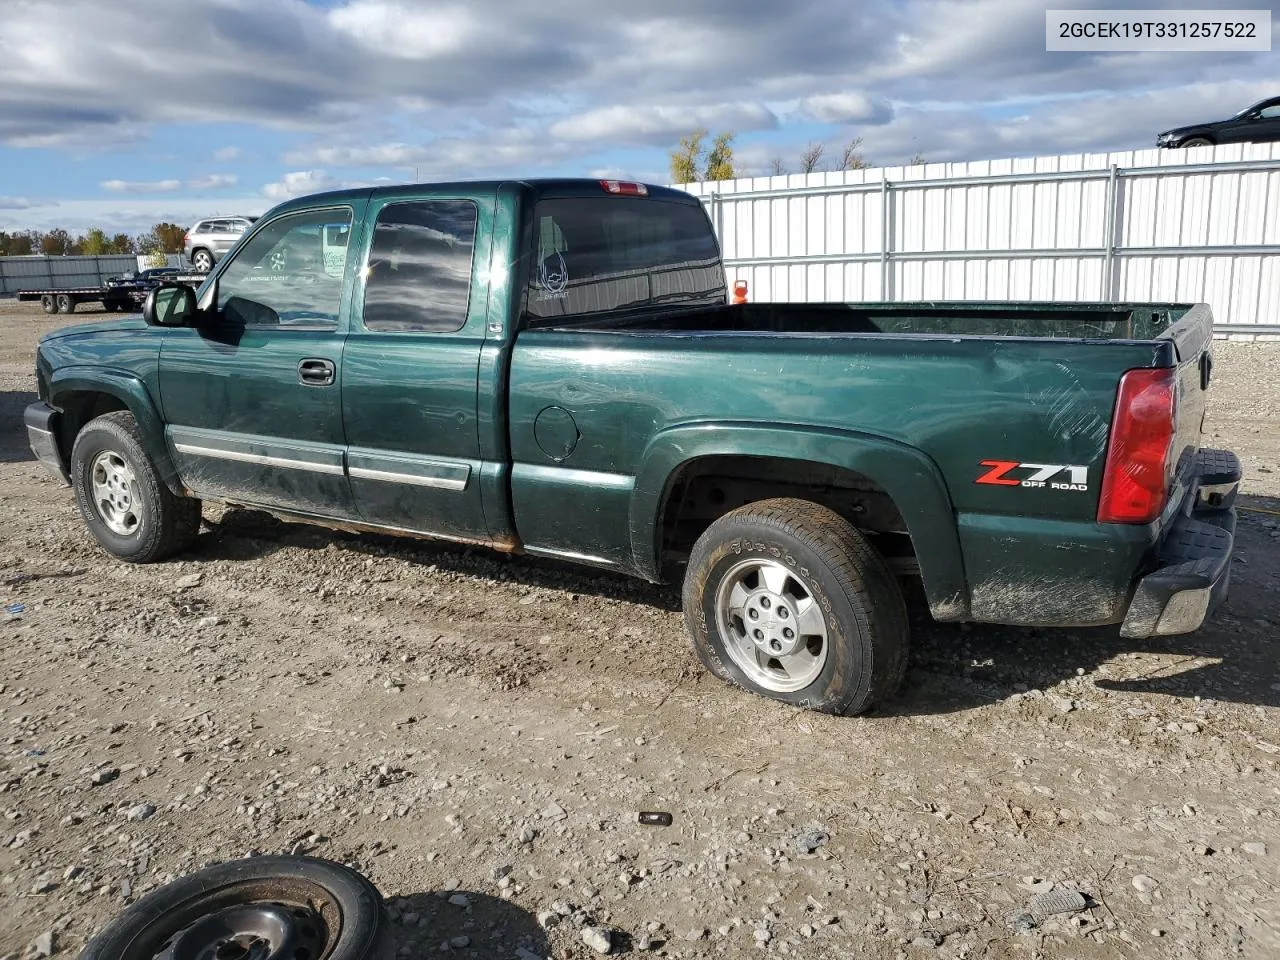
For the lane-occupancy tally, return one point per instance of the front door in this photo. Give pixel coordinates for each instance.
(409, 374)
(252, 398)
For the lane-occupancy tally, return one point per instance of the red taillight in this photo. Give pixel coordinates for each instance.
(624, 188)
(1135, 481)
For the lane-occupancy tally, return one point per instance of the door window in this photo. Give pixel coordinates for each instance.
(419, 274)
(289, 273)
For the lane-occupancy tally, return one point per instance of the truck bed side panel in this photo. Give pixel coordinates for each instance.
(957, 401)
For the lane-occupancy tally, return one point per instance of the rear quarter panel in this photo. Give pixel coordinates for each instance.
(958, 401)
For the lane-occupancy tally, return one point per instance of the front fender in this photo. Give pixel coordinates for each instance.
(130, 391)
(909, 477)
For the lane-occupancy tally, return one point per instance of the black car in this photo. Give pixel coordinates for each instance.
(1259, 123)
(130, 289)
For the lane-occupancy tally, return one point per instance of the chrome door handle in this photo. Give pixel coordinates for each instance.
(315, 372)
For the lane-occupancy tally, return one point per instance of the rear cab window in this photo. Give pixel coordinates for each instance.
(418, 278)
(618, 253)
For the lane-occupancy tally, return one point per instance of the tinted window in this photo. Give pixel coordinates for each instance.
(617, 252)
(202, 227)
(419, 274)
(290, 272)
(1270, 112)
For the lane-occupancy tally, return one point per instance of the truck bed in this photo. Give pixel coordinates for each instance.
(1091, 321)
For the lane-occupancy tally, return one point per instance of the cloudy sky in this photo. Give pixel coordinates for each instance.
(118, 114)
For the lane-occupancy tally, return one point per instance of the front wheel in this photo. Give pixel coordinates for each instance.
(786, 599)
(1198, 142)
(125, 505)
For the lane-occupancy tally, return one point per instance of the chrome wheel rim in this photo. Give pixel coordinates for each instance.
(114, 490)
(772, 625)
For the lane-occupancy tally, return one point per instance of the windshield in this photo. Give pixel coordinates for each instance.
(615, 253)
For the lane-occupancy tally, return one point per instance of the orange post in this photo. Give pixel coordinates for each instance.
(739, 291)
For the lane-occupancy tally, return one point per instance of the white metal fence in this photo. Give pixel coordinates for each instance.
(1162, 225)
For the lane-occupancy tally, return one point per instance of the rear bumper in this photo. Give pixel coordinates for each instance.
(41, 421)
(1194, 559)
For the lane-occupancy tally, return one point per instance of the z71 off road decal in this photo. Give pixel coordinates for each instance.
(1045, 476)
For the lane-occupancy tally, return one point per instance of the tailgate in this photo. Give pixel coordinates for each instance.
(1192, 338)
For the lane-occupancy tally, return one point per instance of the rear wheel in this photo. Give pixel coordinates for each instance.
(66, 303)
(125, 505)
(48, 304)
(786, 599)
(202, 260)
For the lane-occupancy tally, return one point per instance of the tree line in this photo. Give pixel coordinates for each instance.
(161, 238)
(693, 160)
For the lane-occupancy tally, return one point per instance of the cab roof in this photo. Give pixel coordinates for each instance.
(559, 187)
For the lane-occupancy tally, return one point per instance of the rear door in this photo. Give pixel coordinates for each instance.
(410, 369)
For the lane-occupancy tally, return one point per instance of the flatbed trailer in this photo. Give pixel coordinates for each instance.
(67, 299)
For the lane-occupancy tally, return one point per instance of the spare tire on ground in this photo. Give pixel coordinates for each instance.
(277, 907)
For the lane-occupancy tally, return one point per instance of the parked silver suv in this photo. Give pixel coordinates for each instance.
(208, 240)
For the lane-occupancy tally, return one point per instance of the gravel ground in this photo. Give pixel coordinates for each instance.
(477, 733)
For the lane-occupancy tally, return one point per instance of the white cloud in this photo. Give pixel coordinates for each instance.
(407, 30)
(141, 186)
(662, 124)
(458, 89)
(16, 203)
(301, 183)
(214, 181)
(850, 107)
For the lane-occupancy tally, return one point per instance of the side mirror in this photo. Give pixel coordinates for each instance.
(170, 305)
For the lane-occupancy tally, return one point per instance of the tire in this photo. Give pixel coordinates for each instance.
(319, 909)
(202, 260)
(48, 304)
(1197, 142)
(822, 573)
(66, 303)
(125, 505)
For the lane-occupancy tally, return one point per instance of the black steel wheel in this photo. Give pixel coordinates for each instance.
(262, 908)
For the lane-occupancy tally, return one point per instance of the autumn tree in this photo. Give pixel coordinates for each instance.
(686, 159)
(170, 236)
(24, 244)
(55, 243)
(720, 159)
(811, 159)
(95, 242)
(851, 157)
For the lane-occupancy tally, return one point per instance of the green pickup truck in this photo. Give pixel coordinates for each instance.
(552, 367)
